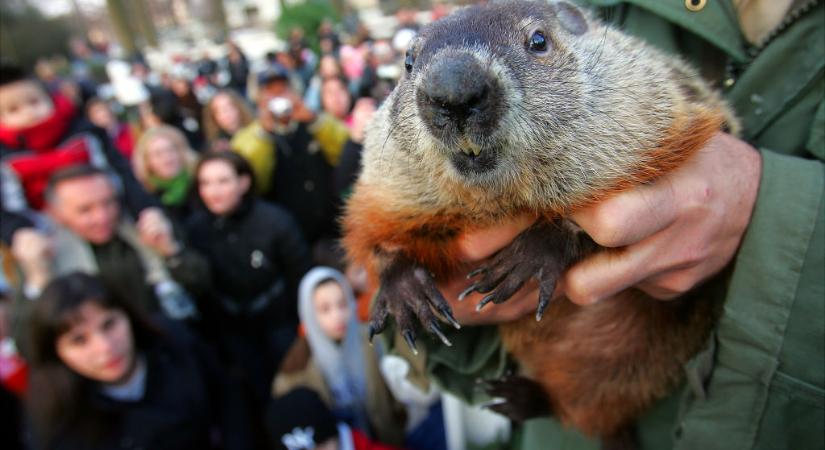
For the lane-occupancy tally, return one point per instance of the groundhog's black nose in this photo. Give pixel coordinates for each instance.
(455, 89)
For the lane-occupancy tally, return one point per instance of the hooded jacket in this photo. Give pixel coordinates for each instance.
(346, 375)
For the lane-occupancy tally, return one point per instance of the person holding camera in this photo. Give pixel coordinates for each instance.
(293, 152)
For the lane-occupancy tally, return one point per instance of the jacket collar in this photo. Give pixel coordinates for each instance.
(717, 22)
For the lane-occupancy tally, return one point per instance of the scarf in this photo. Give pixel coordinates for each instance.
(174, 190)
(45, 135)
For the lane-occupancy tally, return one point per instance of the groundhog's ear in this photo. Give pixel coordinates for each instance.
(570, 18)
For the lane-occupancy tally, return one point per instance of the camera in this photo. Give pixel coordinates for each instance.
(280, 107)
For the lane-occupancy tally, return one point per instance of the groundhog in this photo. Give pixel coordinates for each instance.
(535, 107)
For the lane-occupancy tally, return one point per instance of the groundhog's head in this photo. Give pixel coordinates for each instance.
(486, 83)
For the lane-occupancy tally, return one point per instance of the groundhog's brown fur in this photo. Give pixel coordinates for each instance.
(599, 113)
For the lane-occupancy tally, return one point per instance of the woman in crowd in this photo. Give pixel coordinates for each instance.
(258, 256)
(334, 358)
(102, 376)
(336, 99)
(163, 163)
(328, 67)
(223, 116)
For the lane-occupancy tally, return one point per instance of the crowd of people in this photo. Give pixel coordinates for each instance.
(172, 274)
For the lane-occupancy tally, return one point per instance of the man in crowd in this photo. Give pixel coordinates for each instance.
(141, 261)
(292, 152)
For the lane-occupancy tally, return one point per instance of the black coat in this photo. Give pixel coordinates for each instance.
(250, 252)
(188, 401)
(302, 183)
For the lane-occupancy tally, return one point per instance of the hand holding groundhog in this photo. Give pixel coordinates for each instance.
(669, 236)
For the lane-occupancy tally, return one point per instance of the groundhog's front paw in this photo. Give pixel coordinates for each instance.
(543, 251)
(408, 291)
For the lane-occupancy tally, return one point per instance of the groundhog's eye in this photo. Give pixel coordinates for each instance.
(537, 42)
(408, 61)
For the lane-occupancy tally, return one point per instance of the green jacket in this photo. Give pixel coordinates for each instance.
(760, 384)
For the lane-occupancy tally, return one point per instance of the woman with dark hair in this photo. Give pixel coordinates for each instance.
(103, 376)
(258, 257)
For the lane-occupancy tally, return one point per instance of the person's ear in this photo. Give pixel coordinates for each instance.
(246, 182)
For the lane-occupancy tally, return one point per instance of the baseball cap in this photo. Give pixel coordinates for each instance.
(299, 420)
(272, 72)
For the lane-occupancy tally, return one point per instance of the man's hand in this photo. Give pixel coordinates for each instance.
(674, 234)
(300, 112)
(155, 231)
(33, 251)
(667, 237)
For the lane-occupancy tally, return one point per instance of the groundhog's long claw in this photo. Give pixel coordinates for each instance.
(484, 301)
(409, 336)
(546, 287)
(437, 331)
(378, 321)
(448, 314)
(476, 272)
(467, 292)
(544, 301)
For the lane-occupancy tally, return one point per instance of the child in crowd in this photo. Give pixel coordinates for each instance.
(334, 358)
(164, 164)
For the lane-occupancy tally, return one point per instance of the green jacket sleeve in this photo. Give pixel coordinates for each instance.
(258, 149)
(331, 135)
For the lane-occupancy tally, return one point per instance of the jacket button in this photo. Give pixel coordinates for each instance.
(695, 5)
(729, 82)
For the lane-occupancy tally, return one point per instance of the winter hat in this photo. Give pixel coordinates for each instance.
(299, 420)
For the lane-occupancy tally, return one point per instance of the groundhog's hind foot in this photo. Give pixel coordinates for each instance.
(408, 291)
(517, 398)
(543, 251)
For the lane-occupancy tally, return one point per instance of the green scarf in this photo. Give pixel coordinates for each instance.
(174, 190)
